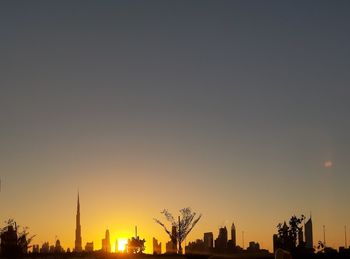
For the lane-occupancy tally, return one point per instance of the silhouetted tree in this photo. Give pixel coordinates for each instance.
(181, 227)
(13, 241)
(136, 245)
(288, 234)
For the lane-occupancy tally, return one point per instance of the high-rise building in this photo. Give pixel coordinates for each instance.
(89, 247)
(58, 247)
(174, 231)
(170, 247)
(309, 243)
(253, 247)
(36, 249)
(275, 242)
(106, 243)
(157, 247)
(208, 240)
(300, 237)
(196, 247)
(45, 248)
(221, 241)
(78, 247)
(52, 249)
(233, 234)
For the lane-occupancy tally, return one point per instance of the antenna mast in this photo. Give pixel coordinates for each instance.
(346, 241)
(243, 239)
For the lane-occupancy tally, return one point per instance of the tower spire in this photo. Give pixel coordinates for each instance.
(78, 204)
(233, 235)
(78, 247)
(346, 241)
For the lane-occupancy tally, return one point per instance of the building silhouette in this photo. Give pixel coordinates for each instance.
(221, 241)
(106, 244)
(301, 242)
(45, 248)
(36, 249)
(231, 244)
(309, 243)
(89, 247)
(253, 247)
(157, 247)
(78, 247)
(233, 234)
(58, 247)
(196, 247)
(275, 242)
(283, 239)
(208, 241)
(170, 247)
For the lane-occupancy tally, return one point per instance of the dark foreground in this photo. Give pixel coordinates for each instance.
(187, 256)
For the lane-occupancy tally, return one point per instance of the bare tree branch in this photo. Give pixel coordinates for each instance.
(182, 227)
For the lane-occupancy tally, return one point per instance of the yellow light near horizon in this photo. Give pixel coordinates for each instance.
(122, 242)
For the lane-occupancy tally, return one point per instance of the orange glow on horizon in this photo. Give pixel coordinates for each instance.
(122, 242)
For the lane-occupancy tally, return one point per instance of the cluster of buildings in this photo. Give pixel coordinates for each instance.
(157, 247)
(78, 247)
(221, 245)
(47, 248)
(304, 241)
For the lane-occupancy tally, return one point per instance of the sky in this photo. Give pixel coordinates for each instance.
(230, 107)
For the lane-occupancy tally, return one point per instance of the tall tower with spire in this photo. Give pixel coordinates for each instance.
(78, 247)
(233, 235)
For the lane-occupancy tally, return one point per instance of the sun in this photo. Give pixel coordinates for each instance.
(122, 242)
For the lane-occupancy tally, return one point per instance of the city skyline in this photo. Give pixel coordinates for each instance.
(236, 109)
(221, 244)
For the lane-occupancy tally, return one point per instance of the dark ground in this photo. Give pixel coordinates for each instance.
(187, 256)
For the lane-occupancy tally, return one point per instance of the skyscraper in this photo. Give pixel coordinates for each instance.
(157, 247)
(208, 240)
(170, 247)
(300, 237)
(233, 235)
(275, 242)
(309, 243)
(78, 247)
(106, 243)
(221, 241)
(89, 247)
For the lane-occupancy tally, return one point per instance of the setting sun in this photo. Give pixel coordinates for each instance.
(122, 242)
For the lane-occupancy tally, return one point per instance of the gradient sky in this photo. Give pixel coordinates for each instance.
(230, 107)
